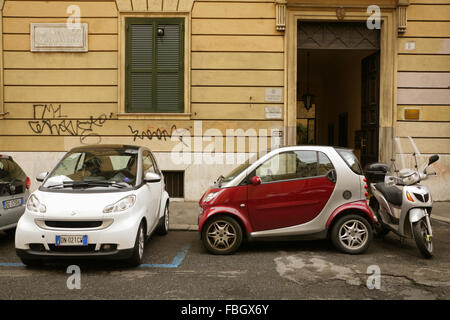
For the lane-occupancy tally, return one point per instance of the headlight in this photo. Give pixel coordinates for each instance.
(121, 205)
(34, 205)
(211, 196)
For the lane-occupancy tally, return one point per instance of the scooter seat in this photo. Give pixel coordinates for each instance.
(392, 194)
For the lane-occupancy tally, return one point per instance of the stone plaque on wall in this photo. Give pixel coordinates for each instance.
(59, 37)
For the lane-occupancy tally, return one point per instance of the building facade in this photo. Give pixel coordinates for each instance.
(206, 83)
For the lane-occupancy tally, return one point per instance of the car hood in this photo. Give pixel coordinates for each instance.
(77, 205)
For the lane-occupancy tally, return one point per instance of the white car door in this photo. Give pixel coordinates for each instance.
(153, 189)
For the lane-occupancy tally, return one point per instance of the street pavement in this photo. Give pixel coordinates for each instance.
(176, 266)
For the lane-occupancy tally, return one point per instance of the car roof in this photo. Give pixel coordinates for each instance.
(4, 156)
(105, 146)
(313, 147)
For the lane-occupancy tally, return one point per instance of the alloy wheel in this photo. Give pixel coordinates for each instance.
(353, 234)
(166, 218)
(221, 235)
(141, 242)
(426, 235)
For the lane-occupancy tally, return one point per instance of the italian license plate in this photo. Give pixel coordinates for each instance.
(71, 241)
(13, 203)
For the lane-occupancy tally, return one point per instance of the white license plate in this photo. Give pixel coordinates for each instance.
(13, 203)
(71, 241)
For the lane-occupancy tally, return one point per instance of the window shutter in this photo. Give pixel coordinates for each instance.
(169, 93)
(140, 68)
(155, 65)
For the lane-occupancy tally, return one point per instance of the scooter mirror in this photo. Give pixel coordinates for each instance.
(389, 181)
(433, 159)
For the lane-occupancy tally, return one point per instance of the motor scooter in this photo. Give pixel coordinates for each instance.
(401, 204)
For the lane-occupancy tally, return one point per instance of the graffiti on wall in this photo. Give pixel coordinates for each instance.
(150, 133)
(48, 119)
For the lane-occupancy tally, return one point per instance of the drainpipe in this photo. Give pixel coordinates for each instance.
(2, 105)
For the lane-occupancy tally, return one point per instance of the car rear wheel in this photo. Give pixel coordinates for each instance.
(222, 235)
(351, 234)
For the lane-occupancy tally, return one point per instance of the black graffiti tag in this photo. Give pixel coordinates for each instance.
(158, 133)
(48, 119)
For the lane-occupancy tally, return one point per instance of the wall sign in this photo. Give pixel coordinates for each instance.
(410, 45)
(274, 95)
(58, 37)
(274, 112)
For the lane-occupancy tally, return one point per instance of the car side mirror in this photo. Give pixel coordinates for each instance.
(255, 180)
(331, 175)
(433, 159)
(41, 176)
(152, 177)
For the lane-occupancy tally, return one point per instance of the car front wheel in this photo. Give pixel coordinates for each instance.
(222, 235)
(163, 227)
(138, 250)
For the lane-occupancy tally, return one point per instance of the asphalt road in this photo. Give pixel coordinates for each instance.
(177, 267)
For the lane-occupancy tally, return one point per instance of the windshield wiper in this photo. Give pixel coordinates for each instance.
(108, 183)
(68, 184)
(87, 184)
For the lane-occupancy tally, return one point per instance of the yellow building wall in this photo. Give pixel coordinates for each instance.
(423, 85)
(56, 101)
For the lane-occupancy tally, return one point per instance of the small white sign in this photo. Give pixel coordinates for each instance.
(58, 37)
(274, 95)
(410, 45)
(274, 112)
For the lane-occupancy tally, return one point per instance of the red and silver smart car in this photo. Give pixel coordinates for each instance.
(308, 192)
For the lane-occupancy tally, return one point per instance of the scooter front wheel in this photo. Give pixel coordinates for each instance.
(423, 238)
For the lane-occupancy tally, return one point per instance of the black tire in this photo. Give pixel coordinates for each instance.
(10, 232)
(32, 263)
(139, 246)
(380, 229)
(163, 225)
(423, 240)
(222, 235)
(351, 234)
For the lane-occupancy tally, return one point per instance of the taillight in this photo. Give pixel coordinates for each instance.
(28, 183)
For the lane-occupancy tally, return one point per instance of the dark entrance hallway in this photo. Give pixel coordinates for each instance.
(338, 86)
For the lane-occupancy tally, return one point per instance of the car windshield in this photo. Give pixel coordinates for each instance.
(240, 168)
(95, 168)
(351, 160)
(10, 171)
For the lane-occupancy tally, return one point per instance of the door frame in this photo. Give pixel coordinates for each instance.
(388, 68)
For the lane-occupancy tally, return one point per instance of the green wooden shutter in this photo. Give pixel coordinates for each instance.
(155, 65)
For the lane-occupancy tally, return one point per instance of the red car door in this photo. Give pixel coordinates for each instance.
(293, 190)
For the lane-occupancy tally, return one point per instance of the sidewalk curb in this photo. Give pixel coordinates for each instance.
(183, 227)
(440, 218)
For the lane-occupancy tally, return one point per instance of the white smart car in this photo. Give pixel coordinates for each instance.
(99, 201)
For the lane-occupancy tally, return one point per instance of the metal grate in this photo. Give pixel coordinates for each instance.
(174, 181)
